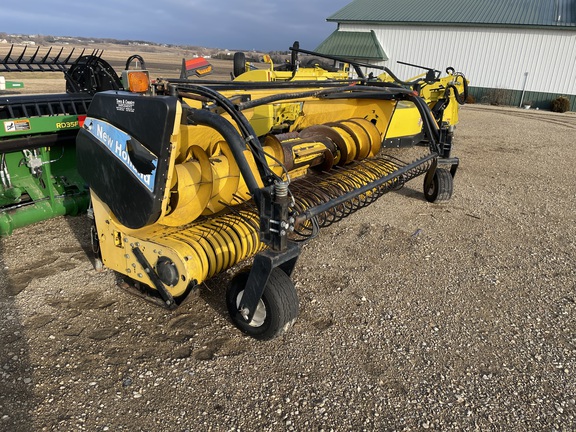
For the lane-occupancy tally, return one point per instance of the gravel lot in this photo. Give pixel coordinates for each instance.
(459, 316)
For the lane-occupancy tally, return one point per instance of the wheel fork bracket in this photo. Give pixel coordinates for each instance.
(453, 162)
(264, 263)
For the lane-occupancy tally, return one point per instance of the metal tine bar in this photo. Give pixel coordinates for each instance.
(394, 159)
(46, 56)
(31, 60)
(204, 231)
(236, 212)
(22, 54)
(58, 55)
(217, 224)
(239, 200)
(8, 55)
(70, 55)
(249, 221)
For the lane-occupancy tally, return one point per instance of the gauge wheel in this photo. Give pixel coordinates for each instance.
(276, 312)
(441, 186)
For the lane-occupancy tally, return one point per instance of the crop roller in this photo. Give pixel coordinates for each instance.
(188, 180)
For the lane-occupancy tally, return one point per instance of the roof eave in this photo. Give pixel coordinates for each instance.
(569, 27)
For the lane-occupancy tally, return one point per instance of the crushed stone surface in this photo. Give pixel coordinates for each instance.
(413, 316)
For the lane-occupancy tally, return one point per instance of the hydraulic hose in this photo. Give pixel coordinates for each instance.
(460, 99)
(245, 127)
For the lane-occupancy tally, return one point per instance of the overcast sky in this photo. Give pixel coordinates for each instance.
(265, 25)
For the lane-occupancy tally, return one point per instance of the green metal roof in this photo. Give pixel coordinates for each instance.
(359, 45)
(501, 13)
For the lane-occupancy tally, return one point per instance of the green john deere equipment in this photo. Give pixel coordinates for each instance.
(38, 172)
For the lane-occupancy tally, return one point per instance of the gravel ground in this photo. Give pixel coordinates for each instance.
(459, 316)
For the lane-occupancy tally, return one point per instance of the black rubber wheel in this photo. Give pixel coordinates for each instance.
(239, 66)
(276, 312)
(441, 186)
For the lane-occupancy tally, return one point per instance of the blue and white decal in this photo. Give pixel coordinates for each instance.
(115, 141)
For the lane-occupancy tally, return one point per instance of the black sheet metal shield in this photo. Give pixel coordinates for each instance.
(129, 178)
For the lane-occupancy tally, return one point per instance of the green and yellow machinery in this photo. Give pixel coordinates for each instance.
(38, 176)
(38, 172)
(187, 180)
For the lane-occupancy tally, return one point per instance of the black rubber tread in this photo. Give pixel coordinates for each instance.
(441, 187)
(239, 64)
(280, 299)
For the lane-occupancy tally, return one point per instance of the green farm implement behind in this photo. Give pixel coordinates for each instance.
(38, 176)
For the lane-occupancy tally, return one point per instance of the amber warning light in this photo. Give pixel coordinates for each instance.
(136, 81)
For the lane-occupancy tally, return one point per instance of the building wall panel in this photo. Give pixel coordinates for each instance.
(490, 57)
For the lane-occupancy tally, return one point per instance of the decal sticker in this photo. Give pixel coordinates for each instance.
(118, 142)
(67, 125)
(16, 125)
(125, 105)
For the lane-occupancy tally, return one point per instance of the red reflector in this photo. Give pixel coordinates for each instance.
(81, 119)
(199, 62)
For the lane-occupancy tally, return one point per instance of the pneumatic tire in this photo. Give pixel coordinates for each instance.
(239, 64)
(276, 312)
(441, 186)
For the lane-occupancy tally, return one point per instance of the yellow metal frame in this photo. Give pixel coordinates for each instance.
(405, 119)
(204, 179)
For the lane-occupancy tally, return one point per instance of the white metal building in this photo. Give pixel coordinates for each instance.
(499, 44)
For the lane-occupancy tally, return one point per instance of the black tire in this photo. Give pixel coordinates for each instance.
(239, 66)
(441, 186)
(276, 312)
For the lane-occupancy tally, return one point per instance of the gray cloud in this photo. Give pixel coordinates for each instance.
(234, 24)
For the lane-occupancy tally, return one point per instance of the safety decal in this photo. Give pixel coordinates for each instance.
(17, 125)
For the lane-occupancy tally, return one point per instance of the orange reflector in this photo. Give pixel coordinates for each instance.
(138, 81)
(204, 71)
